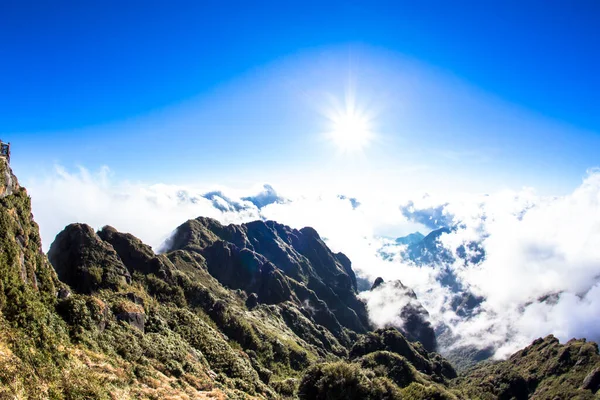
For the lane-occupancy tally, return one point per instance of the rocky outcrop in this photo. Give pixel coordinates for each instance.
(130, 310)
(391, 340)
(136, 255)
(412, 317)
(592, 380)
(278, 264)
(8, 181)
(21, 257)
(85, 262)
(135, 319)
(252, 301)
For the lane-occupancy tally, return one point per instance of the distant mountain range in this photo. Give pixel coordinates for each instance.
(225, 203)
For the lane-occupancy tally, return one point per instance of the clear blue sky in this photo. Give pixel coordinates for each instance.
(507, 91)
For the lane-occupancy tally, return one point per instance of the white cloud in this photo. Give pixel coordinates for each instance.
(151, 212)
(386, 302)
(535, 246)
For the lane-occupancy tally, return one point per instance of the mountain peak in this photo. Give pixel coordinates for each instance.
(257, 310)
(85, 262)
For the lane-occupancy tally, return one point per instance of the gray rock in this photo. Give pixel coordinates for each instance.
(85, 262)
(63, 293)
(135, 319)
(592, 381)
(252, 301)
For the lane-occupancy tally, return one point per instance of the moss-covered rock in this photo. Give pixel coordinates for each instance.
(85, 262)
(393, 341)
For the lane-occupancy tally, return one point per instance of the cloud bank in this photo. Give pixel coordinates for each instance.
(151, 212)
(540, 273)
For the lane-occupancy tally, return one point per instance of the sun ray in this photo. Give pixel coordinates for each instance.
(350, 127)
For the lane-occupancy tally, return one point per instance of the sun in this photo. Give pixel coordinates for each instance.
(351, 132)
(350, 125)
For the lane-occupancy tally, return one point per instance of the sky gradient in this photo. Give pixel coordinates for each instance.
(471, 96)
(371, 120)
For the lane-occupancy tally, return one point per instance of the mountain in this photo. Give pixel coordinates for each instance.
(412, 318)
(257, 310)
(265, 197)
(225, 203)
(544, 370)
(227, 311)
(428, 250)
(410, 239)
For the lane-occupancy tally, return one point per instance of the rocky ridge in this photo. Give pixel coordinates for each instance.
(257, 310)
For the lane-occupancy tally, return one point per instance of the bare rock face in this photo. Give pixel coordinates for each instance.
(130, 309)
(592, 381)
(136, 255)
(85, 262)
(8, 181)
(135, 319)
(252, 301)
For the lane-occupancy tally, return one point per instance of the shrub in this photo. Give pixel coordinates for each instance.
(417, 391)
(83, 312)
(390, 365)
(286, 387)
(345, 381)
(163, 292)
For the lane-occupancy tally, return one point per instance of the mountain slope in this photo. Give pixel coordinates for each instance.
(279, 264)
(544, 370)
(258, 310)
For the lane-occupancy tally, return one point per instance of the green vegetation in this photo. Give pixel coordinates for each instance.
(123, 322)
(545, 369)
(333, 381)
(392, 365)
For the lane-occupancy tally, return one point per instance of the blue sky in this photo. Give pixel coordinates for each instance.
(465, 95)
(127, 112)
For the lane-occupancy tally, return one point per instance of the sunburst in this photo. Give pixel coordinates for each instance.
(350, 129)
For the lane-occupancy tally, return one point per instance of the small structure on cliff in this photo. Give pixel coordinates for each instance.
(5, 150)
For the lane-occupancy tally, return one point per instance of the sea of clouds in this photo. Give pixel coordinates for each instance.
(540, 274)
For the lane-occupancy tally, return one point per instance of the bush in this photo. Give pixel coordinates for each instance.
(163, 292)
(417, 391)
(286, 387)
(83, 312)
(345, 381)
(390, 365)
